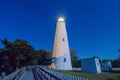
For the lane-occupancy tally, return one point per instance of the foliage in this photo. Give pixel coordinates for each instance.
(116, 63)
(74, 59)
(119, 54)
(20, 53)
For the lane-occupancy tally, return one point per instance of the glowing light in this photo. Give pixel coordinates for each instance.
(61, 19)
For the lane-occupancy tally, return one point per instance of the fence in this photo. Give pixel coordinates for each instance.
(53, 75)
(78, 69)
(43, 73)
(15, 75)
(116, 69)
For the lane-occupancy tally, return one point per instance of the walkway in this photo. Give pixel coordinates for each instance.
(28, 75)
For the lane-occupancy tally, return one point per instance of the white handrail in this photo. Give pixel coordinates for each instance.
(15, 74)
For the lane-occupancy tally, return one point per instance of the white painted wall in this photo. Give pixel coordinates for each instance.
(106, 66)
(98, 67)
(61, 48)
(90, 65)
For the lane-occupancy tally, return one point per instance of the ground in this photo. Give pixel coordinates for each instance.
(101, 76)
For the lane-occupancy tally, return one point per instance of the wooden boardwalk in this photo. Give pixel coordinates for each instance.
(28, 75)
(40, 73)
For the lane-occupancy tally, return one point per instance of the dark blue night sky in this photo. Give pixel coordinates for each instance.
(93, 26)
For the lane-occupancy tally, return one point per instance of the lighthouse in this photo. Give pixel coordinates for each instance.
(61, 53)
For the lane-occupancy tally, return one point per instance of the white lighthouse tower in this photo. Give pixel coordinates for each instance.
(61, 52)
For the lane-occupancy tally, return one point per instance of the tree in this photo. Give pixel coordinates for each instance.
(119, 54)
(74, 59)
(16, 54)
(116, 63)
(45, 57)
(20, 53)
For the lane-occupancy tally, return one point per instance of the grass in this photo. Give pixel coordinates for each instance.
(101, 76)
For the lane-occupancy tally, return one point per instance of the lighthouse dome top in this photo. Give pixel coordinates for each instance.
(61, 19)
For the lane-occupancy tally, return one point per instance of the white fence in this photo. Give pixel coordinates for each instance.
(116, 69)
(15, 75)
(63, 76)
(67, 76)
(79, 69)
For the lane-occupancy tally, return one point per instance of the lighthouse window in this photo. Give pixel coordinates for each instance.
(63, 39)
(97, 63)
(64, 59)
